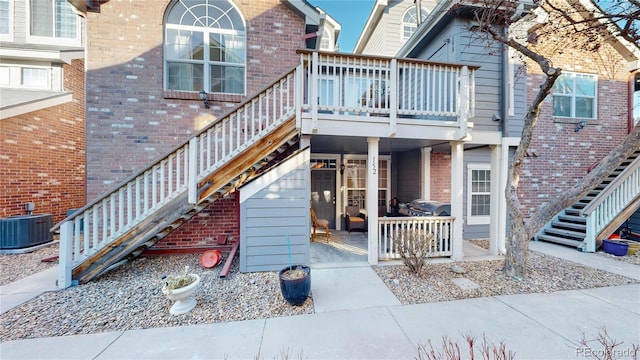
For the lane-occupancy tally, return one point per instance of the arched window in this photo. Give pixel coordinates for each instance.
(205, 47)
(326, 42)
(410, 22)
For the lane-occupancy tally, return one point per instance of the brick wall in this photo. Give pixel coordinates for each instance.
(131, 121)
(563, 155)
(441, 177)
(42, 155)
(222, 218)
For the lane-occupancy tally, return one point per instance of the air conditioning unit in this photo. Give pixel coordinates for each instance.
(24, 231)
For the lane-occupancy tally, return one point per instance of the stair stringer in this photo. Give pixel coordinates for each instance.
(222, 181)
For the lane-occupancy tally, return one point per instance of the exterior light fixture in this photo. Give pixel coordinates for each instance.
(341, 169)
(203, 97)
(580, 125)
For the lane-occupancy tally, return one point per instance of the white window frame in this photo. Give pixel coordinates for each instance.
(413, 24)
(15, 79)
(326, 41)
(49, 40)
(346, 188)
(476, 220)
(206, 62)
(47, 77)
(9, 36)
(573, 97)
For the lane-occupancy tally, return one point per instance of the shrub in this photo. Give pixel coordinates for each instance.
(413, 246)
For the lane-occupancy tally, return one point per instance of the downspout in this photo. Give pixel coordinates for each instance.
(418, 12)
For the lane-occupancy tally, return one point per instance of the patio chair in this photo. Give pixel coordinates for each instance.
(319, 223)
(355, 220)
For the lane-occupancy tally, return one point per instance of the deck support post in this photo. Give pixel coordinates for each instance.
(65, 255)
(457, 173)
(372, 199)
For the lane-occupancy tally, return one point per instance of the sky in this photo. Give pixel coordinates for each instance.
(351, 14)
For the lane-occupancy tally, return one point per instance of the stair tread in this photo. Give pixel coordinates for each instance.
(574, 226)
(574, 219)
(559, 240)
(566, 233)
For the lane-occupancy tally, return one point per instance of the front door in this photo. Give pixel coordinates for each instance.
(323, 195)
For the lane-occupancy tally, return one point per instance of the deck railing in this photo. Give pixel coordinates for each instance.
(391, 230)
(386, 87)
(610, 202)
(99, 223)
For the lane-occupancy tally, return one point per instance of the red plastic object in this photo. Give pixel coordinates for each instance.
(210, 258)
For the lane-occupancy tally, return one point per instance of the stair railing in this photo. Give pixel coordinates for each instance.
(101, 222)
(610, 202)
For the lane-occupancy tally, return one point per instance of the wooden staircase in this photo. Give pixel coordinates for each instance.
(147, 207)
(578, 226)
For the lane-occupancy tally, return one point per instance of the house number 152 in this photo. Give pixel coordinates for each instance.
(373, 166)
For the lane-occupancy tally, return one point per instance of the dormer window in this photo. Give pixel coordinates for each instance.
(410, 22)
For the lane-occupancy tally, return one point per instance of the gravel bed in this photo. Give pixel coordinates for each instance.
(17, 266)
(544, 274)
(130, 297)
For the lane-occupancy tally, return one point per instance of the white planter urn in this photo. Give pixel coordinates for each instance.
(183, 297)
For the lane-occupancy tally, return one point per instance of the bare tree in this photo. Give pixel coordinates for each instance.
(588, 29)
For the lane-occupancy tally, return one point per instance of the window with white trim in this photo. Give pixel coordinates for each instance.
(478, 193)
(5, 19)
(326, 42)
(53, 19)
(410, 22)
(205, 47)
(35, 77)
(575, 96)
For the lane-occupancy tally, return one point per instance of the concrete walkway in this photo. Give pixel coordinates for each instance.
(534, 326)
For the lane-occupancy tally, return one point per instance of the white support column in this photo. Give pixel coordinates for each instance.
(457, 184)
(393, 98)
(425, 178)
(463, 106)
(192, 185)
(64, 255)
(495, 231)
(507, 144)
(372, 198)
(313, 90)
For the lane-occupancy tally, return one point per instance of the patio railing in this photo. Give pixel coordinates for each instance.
(391, 230)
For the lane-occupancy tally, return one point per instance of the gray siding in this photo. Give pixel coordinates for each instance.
(516, 122)
(385, 39)
(477, 156)
(276, 219)
(456, 44)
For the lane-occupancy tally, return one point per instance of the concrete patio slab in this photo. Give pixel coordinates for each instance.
(349, 288)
